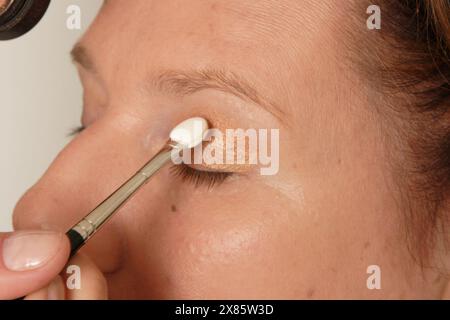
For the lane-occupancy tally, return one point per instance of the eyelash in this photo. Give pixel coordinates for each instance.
(187, 174)
(76, 131)
(199, 178)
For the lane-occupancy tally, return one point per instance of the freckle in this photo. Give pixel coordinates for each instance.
(339, 161)
(366, 245)
(173, 208)
(310, 293)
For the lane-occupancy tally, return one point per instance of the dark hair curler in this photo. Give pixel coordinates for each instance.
(17, 17)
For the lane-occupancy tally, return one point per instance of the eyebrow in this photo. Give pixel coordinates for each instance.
(182, 83)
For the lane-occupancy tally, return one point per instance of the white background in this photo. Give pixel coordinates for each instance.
(40, 100)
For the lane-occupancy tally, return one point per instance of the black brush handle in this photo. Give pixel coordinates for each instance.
(76, 241)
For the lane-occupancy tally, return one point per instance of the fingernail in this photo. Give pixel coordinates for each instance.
(56, 289)
(27, 250)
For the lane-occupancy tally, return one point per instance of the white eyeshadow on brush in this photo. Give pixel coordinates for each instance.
(190, 132)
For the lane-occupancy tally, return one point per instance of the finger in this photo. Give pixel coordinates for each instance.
(92, 283)
(54, 291)
(30, 260)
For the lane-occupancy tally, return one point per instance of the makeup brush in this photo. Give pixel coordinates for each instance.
(185, 136)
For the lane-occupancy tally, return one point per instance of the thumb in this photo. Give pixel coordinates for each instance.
(30, 260)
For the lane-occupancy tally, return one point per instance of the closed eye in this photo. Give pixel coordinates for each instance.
(199, 178)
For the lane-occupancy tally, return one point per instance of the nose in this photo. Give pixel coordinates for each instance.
(92, 166)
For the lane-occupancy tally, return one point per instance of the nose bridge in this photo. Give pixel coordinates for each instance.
(90, 167)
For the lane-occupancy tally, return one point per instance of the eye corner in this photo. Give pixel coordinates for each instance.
(75, 131)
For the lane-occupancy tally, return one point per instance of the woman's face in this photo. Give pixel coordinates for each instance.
(309, 231)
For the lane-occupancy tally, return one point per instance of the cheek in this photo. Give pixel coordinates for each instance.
(218, 248)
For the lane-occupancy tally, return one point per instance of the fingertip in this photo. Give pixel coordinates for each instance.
(54, 291)
(29, 260)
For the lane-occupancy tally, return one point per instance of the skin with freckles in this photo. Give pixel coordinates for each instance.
(310, 231)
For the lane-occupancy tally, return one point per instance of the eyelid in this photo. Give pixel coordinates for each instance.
(234, 167)
(230, 168)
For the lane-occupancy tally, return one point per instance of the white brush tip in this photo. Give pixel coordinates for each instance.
(189, 133)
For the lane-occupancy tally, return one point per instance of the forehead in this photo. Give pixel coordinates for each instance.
(265, 40)
(237, 18)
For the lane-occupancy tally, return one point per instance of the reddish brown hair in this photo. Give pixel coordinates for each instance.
(407, 64)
